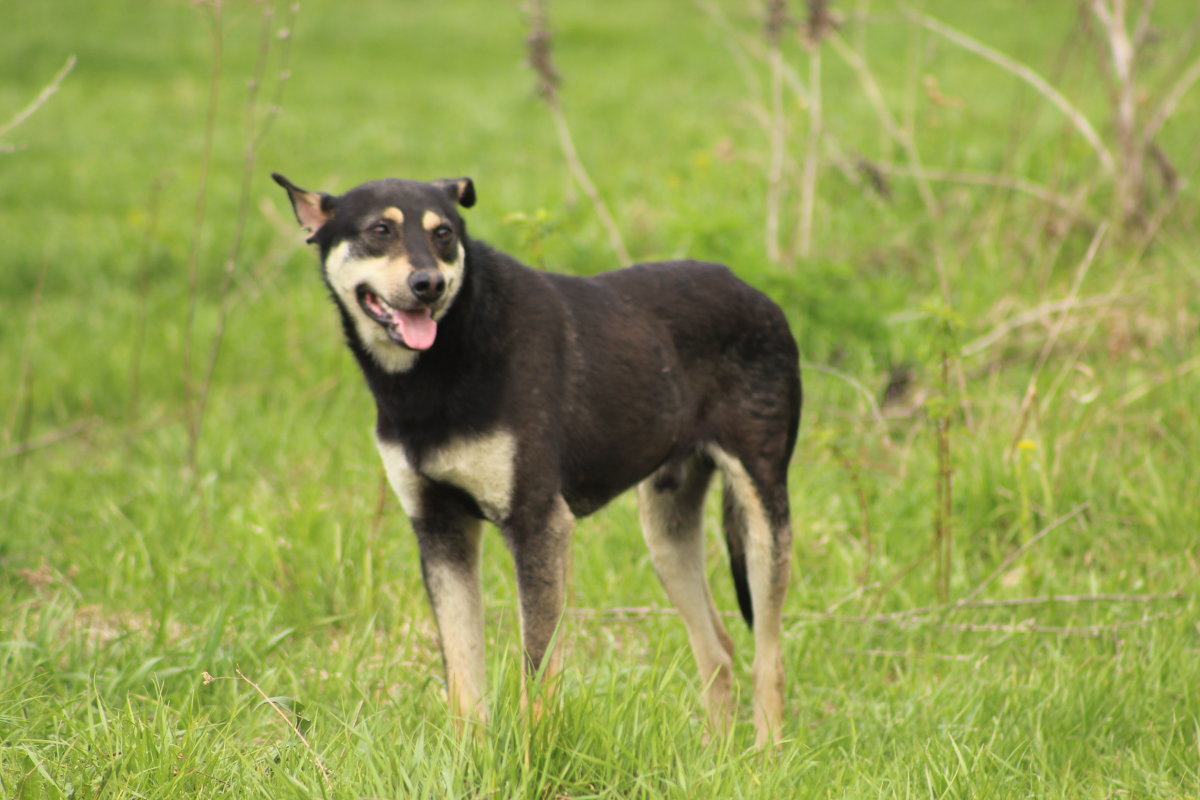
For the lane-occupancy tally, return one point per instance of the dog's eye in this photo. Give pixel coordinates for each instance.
(380, 229)
(443, 233)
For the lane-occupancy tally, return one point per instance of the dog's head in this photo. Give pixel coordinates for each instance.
(392, 253)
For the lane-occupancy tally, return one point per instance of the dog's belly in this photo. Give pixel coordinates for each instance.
(621, 430)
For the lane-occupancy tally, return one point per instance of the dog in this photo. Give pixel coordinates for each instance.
(529, 399)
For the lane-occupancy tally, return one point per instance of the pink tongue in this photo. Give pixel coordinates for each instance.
(416, 327)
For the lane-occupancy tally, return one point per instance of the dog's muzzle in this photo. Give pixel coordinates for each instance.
(415, 328)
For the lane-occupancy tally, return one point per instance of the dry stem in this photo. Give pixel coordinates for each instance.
(198, 221)
(256, 130)
(864, 512)
(812, 154)
(1037, 537)
(1129, 180)
(1056, 331)
(1029, 76)
(876, 413)
(538, 42)
(875, 95)
(325, 772)
(1012, 182)
(776, 127)
(1036, 314)
(916, 616)
(41, 100)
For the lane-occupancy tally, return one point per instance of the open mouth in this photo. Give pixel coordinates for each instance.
(413, 329)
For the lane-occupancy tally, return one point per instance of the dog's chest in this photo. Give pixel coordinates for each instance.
(482, 466)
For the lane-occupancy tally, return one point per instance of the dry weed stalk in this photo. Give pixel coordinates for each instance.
(19, 426)
(538, 43)
(199, 218)
(871, 87)
(943, 510)
(257, 124)
(864, 512)
(819, 24)
(1037, 315)
(1121, 51)
(1135, 141)
(776, 125)
(43, 97)
(1125, 160)
(326, 773)
(935, 615)
(153, 205)
(1070, 303)
(1077, 118)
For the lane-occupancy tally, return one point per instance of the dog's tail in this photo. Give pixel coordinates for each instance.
(735, 541)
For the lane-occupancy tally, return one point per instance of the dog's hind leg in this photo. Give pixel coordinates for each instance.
(760, 537)
(671, 506)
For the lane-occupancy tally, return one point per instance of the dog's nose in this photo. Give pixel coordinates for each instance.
(427, 285)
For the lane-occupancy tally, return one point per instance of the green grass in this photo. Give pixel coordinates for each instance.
(140, 550)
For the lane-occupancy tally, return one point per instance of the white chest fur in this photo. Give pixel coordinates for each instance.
(482, 466)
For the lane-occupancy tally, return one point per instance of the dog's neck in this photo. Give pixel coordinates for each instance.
(444, 381)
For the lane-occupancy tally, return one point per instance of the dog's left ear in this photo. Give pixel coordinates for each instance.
(461, 190)
(312, 209)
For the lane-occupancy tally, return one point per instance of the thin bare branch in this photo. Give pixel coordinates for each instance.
(1034, 315)
(740, 46)
(1142, 389)
(1029, 76)
(876, 413)
(1012, 182)
(812, 154)
(1031, 626)
(575, 164)
(1142, 29)
(51, 438)
(776, 128)
(325, 772)
(909, 616)
(1170, 102)
(871, 87)
(256, 129)
(1014, 555)
(966, 657)
(1056, 331)
(538, 43)
(199, 218)
(42, 98)
(1121, 52)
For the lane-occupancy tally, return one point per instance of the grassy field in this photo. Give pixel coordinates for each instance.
(206, 591)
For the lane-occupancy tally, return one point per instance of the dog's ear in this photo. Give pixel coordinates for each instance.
(312, 209)
(461, 190)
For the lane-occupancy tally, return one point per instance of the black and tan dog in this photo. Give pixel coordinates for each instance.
(530, 399)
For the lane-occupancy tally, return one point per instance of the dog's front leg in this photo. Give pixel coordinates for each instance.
(449, 540)
(541, 548)
(450, 543)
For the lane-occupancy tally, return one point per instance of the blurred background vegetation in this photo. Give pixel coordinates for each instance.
(980, 218)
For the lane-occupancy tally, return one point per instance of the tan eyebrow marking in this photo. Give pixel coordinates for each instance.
(394, 214)
(431, 220)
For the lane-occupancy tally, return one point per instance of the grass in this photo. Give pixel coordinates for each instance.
(141, 552)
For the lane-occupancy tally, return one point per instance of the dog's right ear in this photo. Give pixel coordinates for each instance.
(312, 209)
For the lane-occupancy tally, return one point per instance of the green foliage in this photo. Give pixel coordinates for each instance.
(234, 608)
